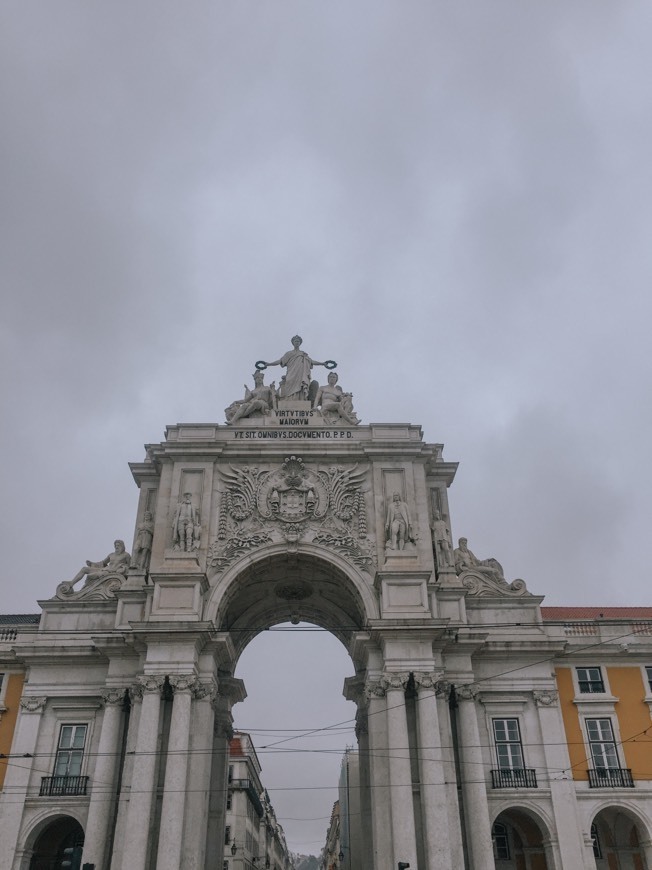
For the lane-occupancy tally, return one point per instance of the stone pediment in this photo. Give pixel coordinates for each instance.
(481, 585)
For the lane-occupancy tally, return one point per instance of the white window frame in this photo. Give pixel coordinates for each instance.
(72, 749)
(508, 743)
(591, 743)
(587, 679)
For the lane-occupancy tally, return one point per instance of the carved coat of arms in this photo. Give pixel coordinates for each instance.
(291, 503)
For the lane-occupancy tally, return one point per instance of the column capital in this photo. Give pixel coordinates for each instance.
(394, 680)
(373, 689)
(466, 693)
(183, 684)
(206, 691)
(443, 689)
(545, 698)
(113, 696)
(148, 684)
(33, 704)
(426, 679)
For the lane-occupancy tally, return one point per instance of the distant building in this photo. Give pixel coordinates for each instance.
(331, 858)
(350, 812)
(252, 835)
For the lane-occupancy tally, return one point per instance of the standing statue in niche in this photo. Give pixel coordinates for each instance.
(441, 543)
(115, 563)
(186, 529)
(398, 525)
(143, 545)
(335, 404)
(466, 561)
(260, 400)
(295, 384)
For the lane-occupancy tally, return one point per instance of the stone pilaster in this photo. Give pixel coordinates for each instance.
(474, 788)
(381, 818)
(17, 777)
(400, 772)
(103, 782)
(141, 797)
(432, 775)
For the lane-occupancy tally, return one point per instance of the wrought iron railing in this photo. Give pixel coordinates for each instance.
(517, 777)
(611, 777)
(62, 786)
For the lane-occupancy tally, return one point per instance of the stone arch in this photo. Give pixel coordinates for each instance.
(522, 839)
(48, 836)
(312, 584)
(620, 834)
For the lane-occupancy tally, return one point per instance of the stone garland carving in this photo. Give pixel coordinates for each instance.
(483, 577)
(545, 698)
(186, 527)
(103, 579)
(33, 704)
(292, 503)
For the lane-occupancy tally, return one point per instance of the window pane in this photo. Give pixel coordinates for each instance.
(65, 739)
(79, 737)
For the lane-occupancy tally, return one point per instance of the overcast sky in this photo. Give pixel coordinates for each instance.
(451, 199)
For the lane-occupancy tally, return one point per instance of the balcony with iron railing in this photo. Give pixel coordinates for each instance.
(517, 777)
(610, 777)
(63, 786)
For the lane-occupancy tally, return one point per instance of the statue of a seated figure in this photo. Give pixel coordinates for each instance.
(335, 404)
(115, 563)
(466, 561)
(260, 400)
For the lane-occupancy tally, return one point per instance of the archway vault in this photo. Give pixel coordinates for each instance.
(310, 585)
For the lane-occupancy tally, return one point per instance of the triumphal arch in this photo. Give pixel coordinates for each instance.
(290, 510)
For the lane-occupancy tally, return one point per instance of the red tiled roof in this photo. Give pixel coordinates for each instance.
(554, 613)
(235, 747)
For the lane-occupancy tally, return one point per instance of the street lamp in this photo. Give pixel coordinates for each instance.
(234, 848)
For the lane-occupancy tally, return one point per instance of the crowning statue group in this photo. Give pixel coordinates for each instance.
(295, 386)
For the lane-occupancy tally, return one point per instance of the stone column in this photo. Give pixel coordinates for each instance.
(572, 850)
(143, 776)
(432, 776)
(17, 778)
(101, 806)
(400, 772)
(362, 733)
(176, 774)
(199, 777)
(381, 819)
(474, 788)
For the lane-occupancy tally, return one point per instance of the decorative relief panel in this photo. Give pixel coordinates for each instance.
(292, 503)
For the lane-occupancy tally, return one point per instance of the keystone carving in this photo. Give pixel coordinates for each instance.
(290, 503)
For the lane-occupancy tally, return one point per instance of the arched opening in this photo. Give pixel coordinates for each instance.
(295, 622)
(58, 845)
(617, 837)
(518, 842)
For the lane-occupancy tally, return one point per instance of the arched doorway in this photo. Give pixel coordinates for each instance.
(58, 843)
(617, 837)
(519, 842)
